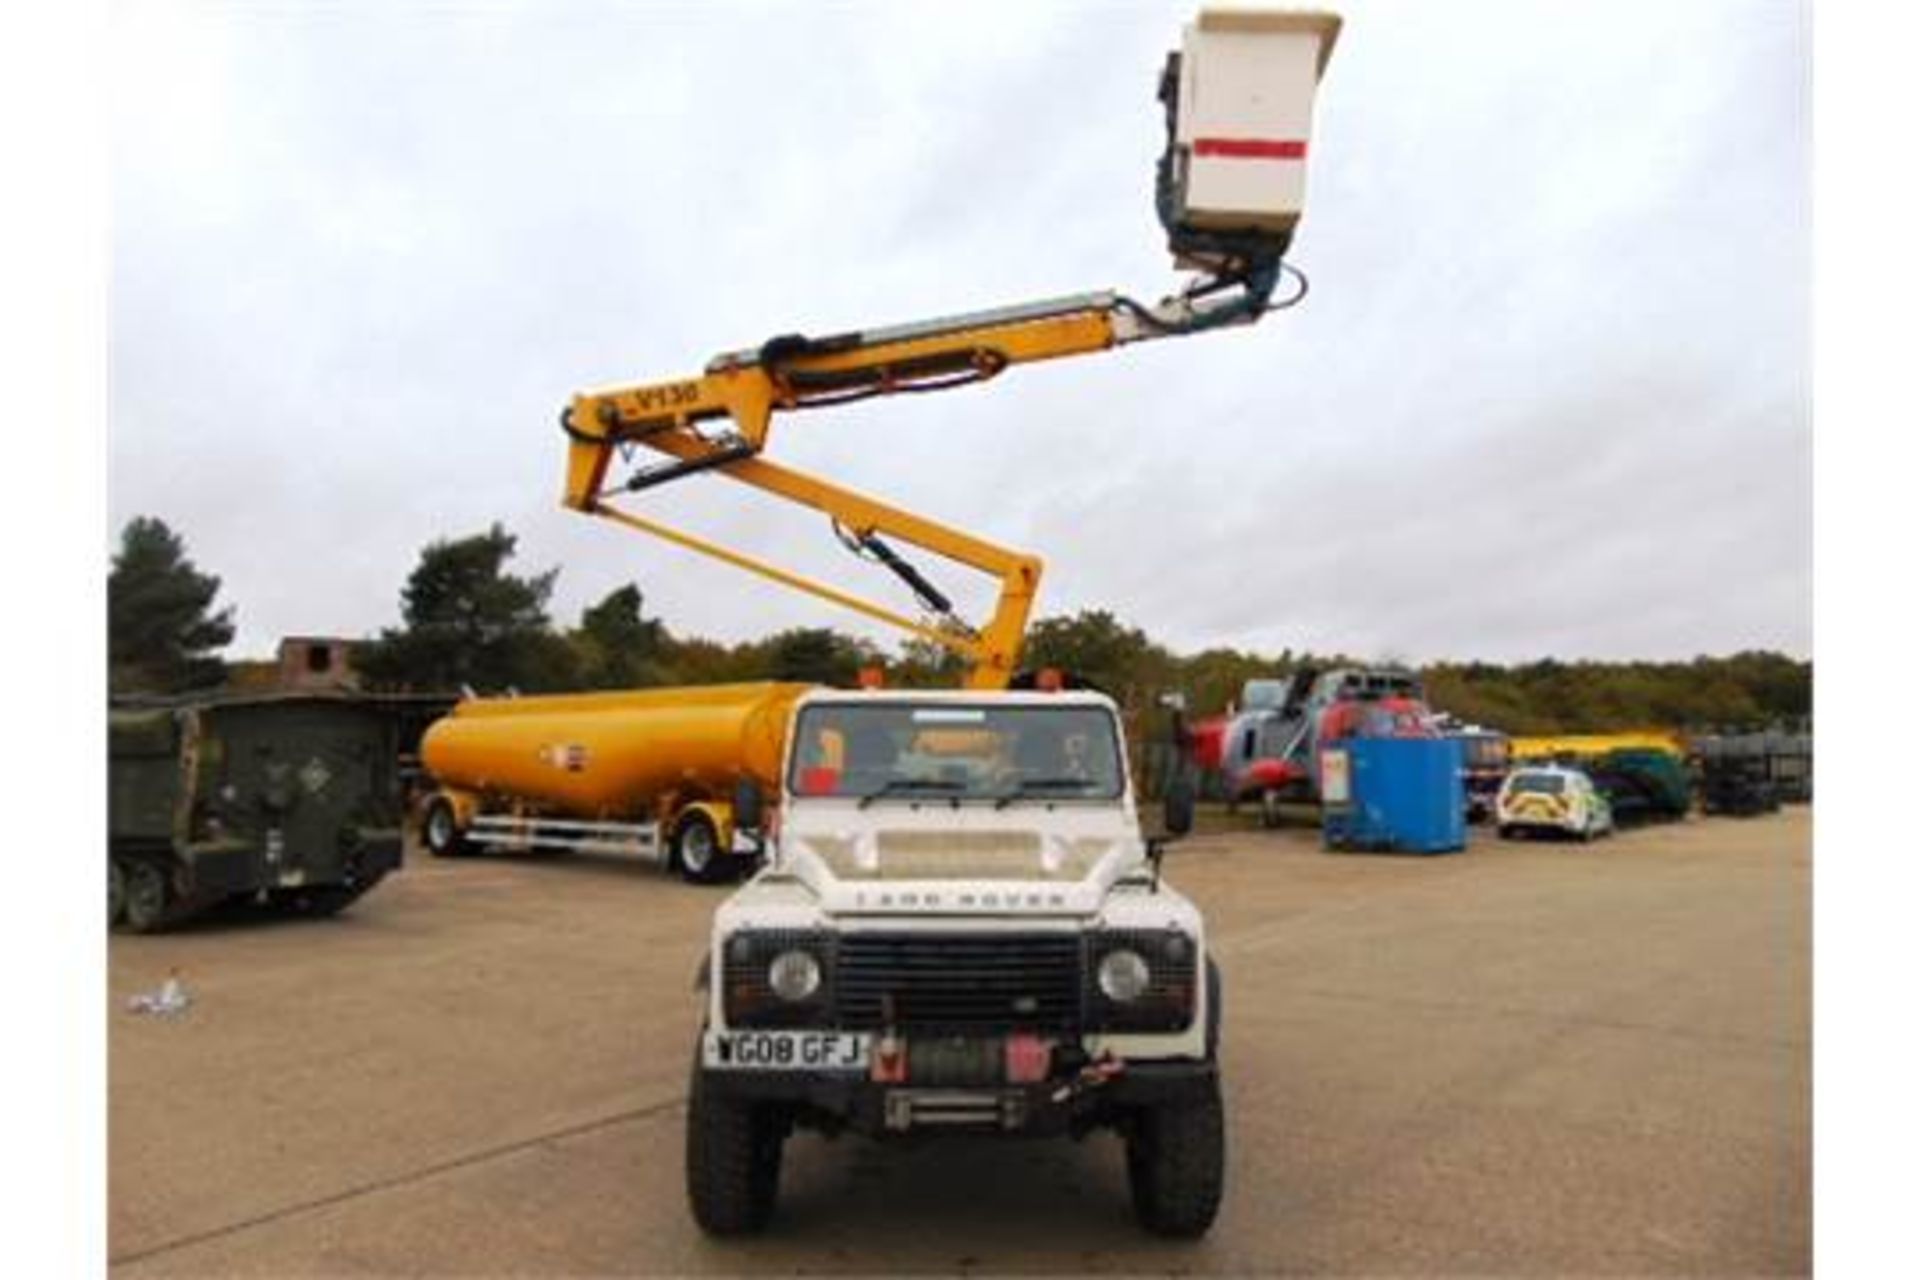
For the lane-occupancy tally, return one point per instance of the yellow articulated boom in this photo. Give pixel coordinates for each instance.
(740, 393)
(1229, 195)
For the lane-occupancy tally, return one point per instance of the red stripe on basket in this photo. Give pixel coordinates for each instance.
(1252, 148)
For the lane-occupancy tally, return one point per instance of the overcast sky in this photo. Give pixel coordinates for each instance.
(1549, 394)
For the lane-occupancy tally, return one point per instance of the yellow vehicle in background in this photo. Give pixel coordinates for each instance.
(646, 772)
(1586, 745)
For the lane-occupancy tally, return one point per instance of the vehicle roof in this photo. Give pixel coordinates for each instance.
(962, 697)
(1563, 770)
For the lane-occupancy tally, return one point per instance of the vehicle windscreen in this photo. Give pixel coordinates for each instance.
(1544, 784)
(934, 751)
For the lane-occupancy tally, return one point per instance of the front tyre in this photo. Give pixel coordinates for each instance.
(1176, 1164)
(733, 1161)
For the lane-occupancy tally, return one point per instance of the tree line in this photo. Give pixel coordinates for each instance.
(467, 620)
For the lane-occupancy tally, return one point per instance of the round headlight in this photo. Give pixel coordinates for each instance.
(1123, 976)
(794, 975)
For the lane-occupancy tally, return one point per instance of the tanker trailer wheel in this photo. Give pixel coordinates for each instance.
(148, 895)
(696, 850)
(441, 831)
(116, 891)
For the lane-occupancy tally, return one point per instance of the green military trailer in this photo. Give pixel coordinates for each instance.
(289, 800)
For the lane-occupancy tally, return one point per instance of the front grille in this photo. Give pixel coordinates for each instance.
(956, 982)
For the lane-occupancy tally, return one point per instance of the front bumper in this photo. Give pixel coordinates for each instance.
(1064, 1104)
(1545, 826)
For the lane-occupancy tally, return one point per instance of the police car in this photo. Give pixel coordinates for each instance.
(1551, 800)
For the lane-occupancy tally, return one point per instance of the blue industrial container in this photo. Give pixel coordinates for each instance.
(1400, 795)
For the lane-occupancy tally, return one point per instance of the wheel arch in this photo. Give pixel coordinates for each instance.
(464, 804)
(719, 813)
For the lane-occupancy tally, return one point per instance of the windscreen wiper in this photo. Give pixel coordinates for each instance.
(901, 786)
(1032, 786)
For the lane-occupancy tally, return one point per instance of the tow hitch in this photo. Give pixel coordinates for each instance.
(1101, 1071)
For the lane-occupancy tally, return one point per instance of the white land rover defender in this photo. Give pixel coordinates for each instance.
(958, 927)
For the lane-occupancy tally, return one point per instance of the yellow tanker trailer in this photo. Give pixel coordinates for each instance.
(651, 772)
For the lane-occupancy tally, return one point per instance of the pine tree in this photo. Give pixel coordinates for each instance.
(161, 634)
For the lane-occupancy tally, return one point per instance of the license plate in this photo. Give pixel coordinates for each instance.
(785, 1050)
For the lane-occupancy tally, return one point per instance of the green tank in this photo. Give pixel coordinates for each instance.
(291, 800)
(1643, 784)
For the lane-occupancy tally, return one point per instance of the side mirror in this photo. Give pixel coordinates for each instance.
(1177, 818)
(749, 806)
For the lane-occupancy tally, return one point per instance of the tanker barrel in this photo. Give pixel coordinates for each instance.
(614, 755)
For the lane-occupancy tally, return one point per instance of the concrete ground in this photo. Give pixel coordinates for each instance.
(1530, 1058)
